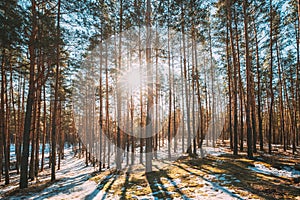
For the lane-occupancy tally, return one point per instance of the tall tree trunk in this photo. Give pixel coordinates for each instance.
(229, 74)
(2, 114)
(149, 134)
(253, 112)
(183, 102)
(6, 145)
(249, 89)
(189, 142)
(297, 99)
(14, 116)
(141, 101)
(259, 118)
(38, 132)
(155, 142)
(271, 94)
(200, 135)
(235, 117)
(100, 106)
(19, 129)
(131, 129)
(240, 83)
(194, 58)
(281, 107)
(3, 122)
(30, 100)
(44, 128)
(33, 139)
(107, 109)
(55, 106)
(119, 102)
(170, 97)
(59, 134)
(212, 72)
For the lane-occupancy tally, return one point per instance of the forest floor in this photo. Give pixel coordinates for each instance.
(216, 176)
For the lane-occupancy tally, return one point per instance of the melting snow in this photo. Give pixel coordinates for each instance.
(288, 172)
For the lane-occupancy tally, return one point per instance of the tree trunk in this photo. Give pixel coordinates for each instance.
(2, 114)
(44, 128)
(3, 123)
(149, 131)
(6, 145)
(170, 97)
(229, 74)
(119, 93)
(100, 106)
(30, 101)
(131, 129)
(55, 106)
(281, 107)
(240, 84)
(156, 94)
(38, 132)
(259, 118)
(33, 139)
(141, 102)
(14, 116)
(235, 117)
(271, 95)
(107, 110)
(249, 89)
(59, 134)
(189, 142)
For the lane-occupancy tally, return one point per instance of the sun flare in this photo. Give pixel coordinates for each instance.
(132, 80)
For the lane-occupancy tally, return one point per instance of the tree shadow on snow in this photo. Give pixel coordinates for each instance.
(126, 184)
(101, 185)
(157, 187)
(239, 175)
(49, 189)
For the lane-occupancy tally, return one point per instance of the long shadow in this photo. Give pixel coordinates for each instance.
(271, 188)
(212, 183)
(109, 187)
(65, 187)
(100, 186)
(157, 187)
(269, 191)
(126, 184)
(163, 173)
(53, 188)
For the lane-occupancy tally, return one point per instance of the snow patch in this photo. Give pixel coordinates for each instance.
(288, 172)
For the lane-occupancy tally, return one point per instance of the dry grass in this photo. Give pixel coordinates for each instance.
(188, 176)
(234, 170)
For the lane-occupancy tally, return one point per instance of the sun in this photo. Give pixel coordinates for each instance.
(132, 80)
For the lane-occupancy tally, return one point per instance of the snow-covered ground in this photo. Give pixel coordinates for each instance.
(73, 183)
(286, 172)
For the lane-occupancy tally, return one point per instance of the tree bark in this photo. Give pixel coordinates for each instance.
(235, 118)
(55, 103)
(189, 139)
(3, 122)
(271, 94)
(240, 83)
(249, 89)
(44, 128)
(119, 106)
(259, 118)
(101, 105)
(149, 131)
(30, 100)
